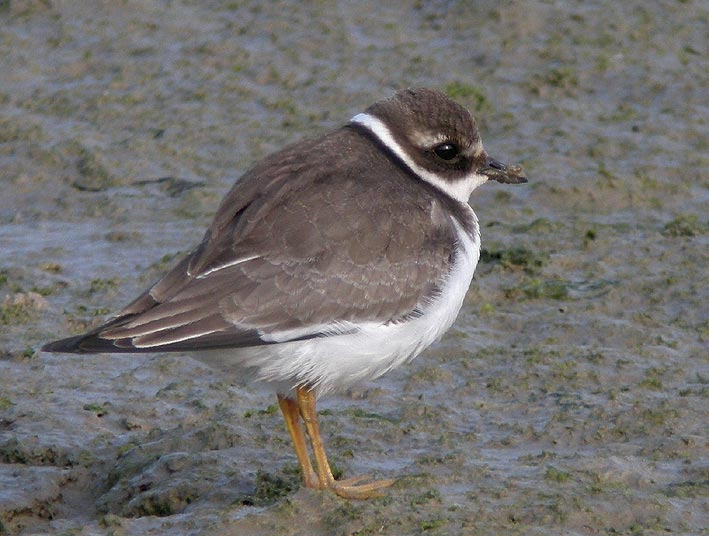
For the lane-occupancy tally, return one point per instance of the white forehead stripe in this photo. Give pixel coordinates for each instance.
(478, 148)
(459, 189)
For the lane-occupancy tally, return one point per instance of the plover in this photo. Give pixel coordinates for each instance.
(329, 262)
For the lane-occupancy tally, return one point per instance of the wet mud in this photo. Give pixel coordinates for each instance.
(570, 397)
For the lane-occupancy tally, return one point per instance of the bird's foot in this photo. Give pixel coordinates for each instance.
(350, 488)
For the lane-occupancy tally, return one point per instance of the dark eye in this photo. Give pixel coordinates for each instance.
(446, 151)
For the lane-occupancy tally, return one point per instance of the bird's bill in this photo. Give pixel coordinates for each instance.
(497, 171)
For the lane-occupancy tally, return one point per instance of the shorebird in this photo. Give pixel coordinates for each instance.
(329, 262)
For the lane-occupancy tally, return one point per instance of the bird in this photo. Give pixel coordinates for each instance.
(330, 262)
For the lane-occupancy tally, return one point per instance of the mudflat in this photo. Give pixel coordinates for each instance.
(570, 397)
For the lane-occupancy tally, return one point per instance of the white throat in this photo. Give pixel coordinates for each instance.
(459, 189)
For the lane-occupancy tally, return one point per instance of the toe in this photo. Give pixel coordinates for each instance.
(350, 489)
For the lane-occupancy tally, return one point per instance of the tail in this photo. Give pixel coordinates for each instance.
(70, 345)
(88, 343)
(93, 343)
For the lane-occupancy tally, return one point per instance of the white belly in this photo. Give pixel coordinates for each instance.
(338, 362)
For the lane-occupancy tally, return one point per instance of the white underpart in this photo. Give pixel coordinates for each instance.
(459, 189)
(340, 361)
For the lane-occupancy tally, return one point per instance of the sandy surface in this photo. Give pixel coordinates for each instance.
(569, 398)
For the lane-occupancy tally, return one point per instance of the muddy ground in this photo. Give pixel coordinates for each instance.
(569, 398)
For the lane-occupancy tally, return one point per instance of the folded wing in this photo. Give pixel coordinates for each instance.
(289, 260)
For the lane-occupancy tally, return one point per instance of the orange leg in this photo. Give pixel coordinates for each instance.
(349, 488)
(292, 416)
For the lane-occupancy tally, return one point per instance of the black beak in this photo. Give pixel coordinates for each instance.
(497, 171)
